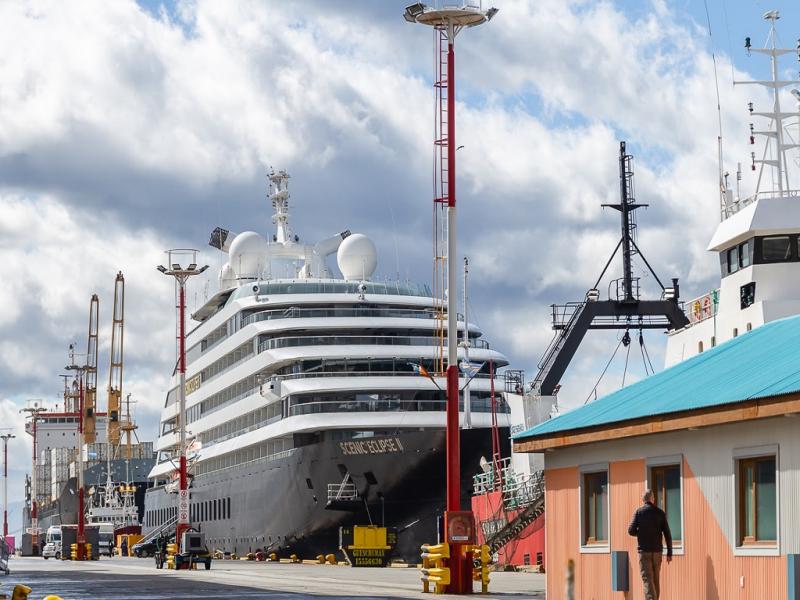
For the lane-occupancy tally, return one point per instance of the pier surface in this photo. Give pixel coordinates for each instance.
(138, 578)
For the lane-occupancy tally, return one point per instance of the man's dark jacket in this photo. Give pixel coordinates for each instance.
(648, 524)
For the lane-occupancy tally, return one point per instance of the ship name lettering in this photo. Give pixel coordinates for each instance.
(381, 446)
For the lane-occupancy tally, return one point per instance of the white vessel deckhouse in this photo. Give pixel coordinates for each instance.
(758, 238)
(305, 405)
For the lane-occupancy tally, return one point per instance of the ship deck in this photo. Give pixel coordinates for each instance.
(134, 577)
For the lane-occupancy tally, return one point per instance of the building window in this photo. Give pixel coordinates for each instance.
(665, 481)
(757, 506)
(595, 508)
(776, 248)
(733, 259)
(744, 254)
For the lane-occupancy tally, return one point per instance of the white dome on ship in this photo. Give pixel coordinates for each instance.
(248, 255)
(357, 257)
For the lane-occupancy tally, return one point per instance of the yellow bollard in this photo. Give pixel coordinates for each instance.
(331, 559)
(273, 557)
(321, 559)
(293, 558)
(20, 592)
(53, 598)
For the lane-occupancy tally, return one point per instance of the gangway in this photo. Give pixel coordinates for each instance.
(168, 525)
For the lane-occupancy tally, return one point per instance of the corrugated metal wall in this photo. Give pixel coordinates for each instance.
(708, 569)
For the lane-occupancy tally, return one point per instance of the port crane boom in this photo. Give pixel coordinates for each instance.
(115, 365)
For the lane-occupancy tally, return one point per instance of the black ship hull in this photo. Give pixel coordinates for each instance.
(288, 505)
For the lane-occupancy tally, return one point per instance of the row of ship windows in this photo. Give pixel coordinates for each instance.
(263, 343)
(760, 250)
(385, 401)
(244, 318)
(264, 452)
(735, 333)
(307, 368)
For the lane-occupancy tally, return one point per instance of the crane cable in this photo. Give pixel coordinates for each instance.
(645, 355)
(594, 389)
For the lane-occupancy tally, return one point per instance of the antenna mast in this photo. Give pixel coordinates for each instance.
(777, 160)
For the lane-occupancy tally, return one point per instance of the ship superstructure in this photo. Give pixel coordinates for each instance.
(306, 409)
(758, 238)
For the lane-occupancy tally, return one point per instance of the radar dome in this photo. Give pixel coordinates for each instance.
(248, 255)
(357, 257)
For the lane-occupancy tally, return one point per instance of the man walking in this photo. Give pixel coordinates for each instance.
(648, 525)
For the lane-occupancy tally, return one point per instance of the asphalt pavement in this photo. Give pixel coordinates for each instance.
(138, 579)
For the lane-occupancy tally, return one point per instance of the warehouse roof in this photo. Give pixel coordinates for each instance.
(762, 363)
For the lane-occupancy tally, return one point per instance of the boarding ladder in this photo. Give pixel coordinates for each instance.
(166, 526)
(526, 493)
(565, 317)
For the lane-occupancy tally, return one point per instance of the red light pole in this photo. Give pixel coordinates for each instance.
(181, 275)
(5, 437)
(449, 21)
(33, 411)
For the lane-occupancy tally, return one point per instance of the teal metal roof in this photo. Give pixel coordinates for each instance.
(761, 363)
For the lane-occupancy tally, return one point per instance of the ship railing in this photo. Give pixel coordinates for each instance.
(312, 313)
(522, 490)
(489, 480)
(342, 491)
(339, 340)
(703, 307)
(409, 373)
(369, 406)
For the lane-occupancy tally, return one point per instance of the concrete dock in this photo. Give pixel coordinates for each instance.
(139, 579)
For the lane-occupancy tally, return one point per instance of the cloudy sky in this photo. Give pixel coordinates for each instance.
(127, 128)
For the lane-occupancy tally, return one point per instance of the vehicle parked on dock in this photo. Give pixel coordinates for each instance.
(52, 546)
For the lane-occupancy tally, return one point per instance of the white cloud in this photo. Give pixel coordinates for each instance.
(120, 133)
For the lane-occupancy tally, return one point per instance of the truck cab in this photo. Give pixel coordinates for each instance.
(52, 546)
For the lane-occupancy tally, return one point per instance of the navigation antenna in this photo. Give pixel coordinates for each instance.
(775, 148)
(279, 196)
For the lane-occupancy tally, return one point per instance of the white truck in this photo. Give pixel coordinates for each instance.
(106, 545)
(52, 545)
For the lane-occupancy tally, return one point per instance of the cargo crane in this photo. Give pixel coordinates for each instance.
(115, 365)
(88, 425)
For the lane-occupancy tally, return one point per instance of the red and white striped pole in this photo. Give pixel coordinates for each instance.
(5, 437)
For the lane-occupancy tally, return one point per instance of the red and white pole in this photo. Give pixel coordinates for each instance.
(34, 492)
(183, 494)
(5, 437)
(81, 509)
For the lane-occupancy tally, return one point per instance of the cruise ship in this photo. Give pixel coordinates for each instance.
(308, 406)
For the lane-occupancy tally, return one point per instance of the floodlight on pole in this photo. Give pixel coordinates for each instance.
(5, 437)
(181, 274)
(449, 19)
(35, 406)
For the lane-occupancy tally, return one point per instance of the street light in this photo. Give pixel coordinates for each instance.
(81, 536)
(5, 437)
(174, 258)
(449, 19)
(33, 409)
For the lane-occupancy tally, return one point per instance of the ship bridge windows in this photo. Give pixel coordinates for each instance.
(777, 248)
(761, 250)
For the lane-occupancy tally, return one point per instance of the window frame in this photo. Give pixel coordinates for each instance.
(660, 462)
(602, 546)
(755, 548)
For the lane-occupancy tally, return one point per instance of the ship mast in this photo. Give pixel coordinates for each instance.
(775, 148)
(279, 195)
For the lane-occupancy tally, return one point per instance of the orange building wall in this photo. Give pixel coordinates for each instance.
(708, 570)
